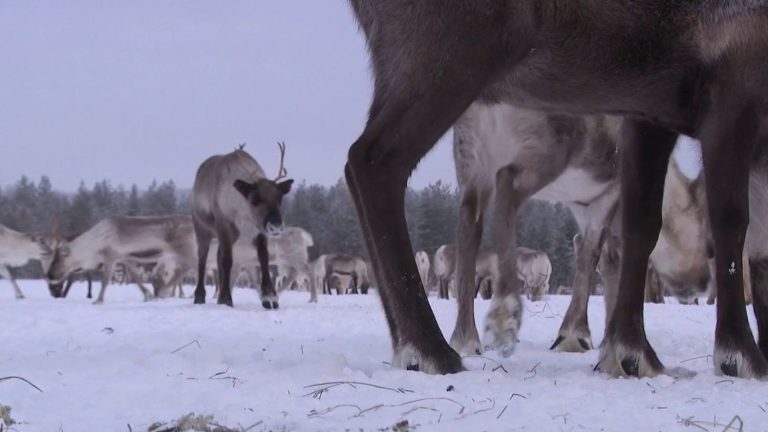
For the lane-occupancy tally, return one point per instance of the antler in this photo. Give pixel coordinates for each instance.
(241, 146)
(282, 172)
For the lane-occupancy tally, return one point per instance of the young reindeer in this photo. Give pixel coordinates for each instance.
(234, 202)
(129, 240)
(696, 67)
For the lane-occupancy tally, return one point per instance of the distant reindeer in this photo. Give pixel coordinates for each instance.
(129, 240)
(423, 264)
(486, 274)
(534, 270)
(16, 250)
(654, 287)
(345, 265)
(234, 202)
(444, 265)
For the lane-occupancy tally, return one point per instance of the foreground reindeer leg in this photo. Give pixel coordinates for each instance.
(225, 269)
(465, 339)
(644, 155)
(574, 334)
(203, 246)
(106, 276)
(6, 273)
(268, 294)
(759, 275)
(728, 137)
(398, 135)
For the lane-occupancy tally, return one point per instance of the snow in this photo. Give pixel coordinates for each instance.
(128, 362)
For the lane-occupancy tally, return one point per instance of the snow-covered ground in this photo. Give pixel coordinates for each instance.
(103, 368)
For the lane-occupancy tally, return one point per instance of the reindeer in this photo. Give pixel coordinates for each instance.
(694, 68)
(534, 270)
(444, 267)
(345, 265)
(234, 201)
(16, 250)
(130, 240)
(422, 262)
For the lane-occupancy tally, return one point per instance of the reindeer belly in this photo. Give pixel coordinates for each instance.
(574, 185)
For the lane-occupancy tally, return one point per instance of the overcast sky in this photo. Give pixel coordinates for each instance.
(133, 91)
(138, 90)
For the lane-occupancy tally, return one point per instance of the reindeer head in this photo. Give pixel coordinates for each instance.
(266, 197)
(53, 249)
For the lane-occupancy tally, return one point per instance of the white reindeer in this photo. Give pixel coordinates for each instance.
(16, 250)
(423, 264)
(127, 240)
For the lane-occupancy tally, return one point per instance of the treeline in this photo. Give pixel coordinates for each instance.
(326, 212)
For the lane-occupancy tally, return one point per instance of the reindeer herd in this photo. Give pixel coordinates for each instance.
(571, 101)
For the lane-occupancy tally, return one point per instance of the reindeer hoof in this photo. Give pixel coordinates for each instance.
(503, 324)
(410, 358)
(269, 304)
(747, 362)
(620, 360)
(571, 341)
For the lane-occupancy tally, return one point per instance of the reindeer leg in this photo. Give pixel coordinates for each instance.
(268, 294)
(133, 272)
(88, 276)
(574, 334)
(644, 155)
(465, 338)
(225, 269)
(758, 270)
(203, 246)
(5, 272)
(106, 276)
(729, 135)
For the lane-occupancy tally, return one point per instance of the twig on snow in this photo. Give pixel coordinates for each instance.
(706, 356)
(499, 365)
(182, 347)
(21, 379)
(318, 393)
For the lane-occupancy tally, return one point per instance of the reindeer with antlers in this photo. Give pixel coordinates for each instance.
(234, 202)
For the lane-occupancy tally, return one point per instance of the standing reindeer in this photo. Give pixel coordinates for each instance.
(423, 264)
(694, 67)
(342, 266)
(234, 202)
(444, 267)
(129, 240)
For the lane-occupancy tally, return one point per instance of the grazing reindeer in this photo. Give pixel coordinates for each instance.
(486, 274)
(234, 201)
(701, 71)
(422, 263)
(129, 240)
(344, 265)
(534, 270)
(444, 267)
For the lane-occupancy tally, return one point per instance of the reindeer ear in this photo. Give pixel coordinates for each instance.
(243, 187)
(285, 186)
